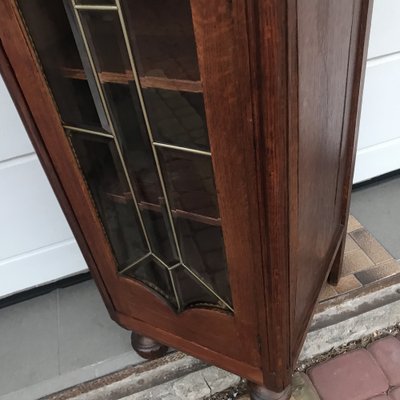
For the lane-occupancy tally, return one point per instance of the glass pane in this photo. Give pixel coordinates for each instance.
(177, 118)
(54, 42)
(103, 32)
(129, 125)
(191, 292)
(202, 249)
(191, 190)
(103, 173)
(161, 32)
(162, 39)
(156, 277)
(160, 234)
(190, 182)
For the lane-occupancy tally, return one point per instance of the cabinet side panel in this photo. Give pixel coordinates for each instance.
(324, 36)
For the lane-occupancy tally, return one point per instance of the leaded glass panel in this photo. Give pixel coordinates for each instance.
(126, 80)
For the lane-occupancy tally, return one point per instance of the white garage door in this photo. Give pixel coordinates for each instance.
(36, 244)
(379, 140)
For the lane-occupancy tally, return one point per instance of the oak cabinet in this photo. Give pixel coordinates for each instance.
(202, 151)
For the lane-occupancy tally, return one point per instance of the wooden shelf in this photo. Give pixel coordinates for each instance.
(154, 82)
(125, 197)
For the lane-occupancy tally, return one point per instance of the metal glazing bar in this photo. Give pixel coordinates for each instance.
(95, 7)
(161, 262)
(89, 131)
(149, 131)
(107, 112)
(178, 302)
(179, 148)
(174, 266)
(209, 288)
(135, 263)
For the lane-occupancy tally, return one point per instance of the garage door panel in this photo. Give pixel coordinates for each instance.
(377, 160)
(30, 217)
(14, 141)
(385, 28)
(45, 265)
(380, 117)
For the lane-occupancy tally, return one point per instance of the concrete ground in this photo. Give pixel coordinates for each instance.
(377, 207)
(58, 340)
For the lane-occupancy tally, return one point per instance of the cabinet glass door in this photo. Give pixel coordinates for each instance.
(125, 79)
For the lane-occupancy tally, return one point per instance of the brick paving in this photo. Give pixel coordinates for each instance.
(366, 263)
(365, 374)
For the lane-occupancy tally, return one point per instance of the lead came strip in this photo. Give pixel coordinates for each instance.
(148, 128)
(179, 148)
(100, 90)
(95, 7)
(89, 131)
(153, 145)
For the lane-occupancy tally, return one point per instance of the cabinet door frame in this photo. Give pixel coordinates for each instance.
(229, 341)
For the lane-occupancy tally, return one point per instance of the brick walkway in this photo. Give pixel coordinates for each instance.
(366, 262)
(365, 374)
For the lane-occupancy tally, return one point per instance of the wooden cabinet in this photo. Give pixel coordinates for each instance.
(202, 151)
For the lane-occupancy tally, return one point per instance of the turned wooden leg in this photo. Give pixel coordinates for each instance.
(147, 348)
(262, 393)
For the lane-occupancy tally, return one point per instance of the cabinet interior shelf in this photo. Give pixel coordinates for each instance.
(146, 82)
(143, 205)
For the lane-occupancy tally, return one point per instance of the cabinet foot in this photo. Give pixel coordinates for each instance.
(262, 393)
(336, 271)
(147, 348)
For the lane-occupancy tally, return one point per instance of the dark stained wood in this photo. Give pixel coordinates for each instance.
(145, 81)
(324, 83)
(204, 219)
(298, 341)
(226, 86)
(281, 81)
(169, 337)
(336, 272)
(324, 31)
(271, 100)
(293, 182)
(316, 64)
(171, 84)
(147, 348)
(351, 120)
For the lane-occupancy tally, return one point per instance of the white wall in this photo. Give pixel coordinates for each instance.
(36, 244)
(379, 140)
